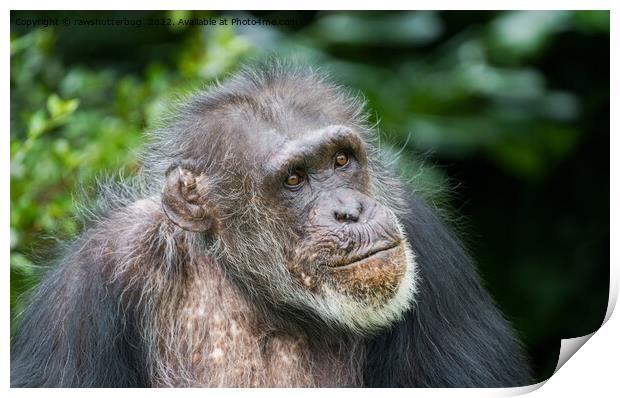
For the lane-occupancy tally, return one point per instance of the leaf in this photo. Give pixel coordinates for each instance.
(58, 108)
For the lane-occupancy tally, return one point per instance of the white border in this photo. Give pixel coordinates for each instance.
(594, 370)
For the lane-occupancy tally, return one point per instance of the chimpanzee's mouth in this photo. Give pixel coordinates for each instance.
(361, 259)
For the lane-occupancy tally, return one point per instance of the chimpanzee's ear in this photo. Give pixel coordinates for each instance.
(184, 199)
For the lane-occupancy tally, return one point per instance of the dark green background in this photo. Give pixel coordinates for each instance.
(501, 118)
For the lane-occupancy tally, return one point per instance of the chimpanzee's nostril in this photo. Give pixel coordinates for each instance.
(348, 215)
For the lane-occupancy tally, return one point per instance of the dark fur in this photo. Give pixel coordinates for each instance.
(455, 337)
(78, 331)
(74, 332)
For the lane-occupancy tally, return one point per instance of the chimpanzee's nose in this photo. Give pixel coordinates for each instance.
(347, 210)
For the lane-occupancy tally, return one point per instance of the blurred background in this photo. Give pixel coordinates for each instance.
(501, 118)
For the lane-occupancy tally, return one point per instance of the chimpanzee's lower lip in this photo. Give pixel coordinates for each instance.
(352, 262)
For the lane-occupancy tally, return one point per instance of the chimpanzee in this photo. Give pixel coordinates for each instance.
(264, 242)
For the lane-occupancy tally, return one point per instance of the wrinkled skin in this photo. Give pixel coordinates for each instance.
(348, 239)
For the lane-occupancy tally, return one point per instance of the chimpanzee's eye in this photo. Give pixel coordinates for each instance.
(293, 180)
(342, 159)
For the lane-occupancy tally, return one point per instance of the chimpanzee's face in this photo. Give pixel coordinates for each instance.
(348, 250)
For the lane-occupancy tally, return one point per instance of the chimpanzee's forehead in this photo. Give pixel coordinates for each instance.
(267, 143)
(265, 136)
